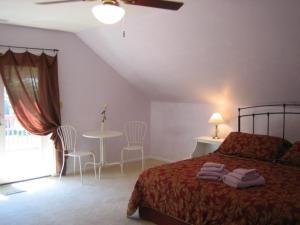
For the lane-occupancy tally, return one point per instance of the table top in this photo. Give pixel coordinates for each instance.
(102, 134)
(210, 140)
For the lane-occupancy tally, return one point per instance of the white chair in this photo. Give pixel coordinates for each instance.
(68, 136)
(135, 132)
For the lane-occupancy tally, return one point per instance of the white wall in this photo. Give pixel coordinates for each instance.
(86, 83)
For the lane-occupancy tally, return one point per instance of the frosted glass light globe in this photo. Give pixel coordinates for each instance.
(108, 13)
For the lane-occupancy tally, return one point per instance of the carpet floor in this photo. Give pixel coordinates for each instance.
(9, 189)
(48, 201)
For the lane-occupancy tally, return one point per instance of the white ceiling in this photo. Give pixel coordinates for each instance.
(67, 17)
(72, 17)
(229, 51)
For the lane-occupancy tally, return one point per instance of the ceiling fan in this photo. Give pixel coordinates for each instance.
(110, 11)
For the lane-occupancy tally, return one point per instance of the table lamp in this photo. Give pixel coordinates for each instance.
(216, 118)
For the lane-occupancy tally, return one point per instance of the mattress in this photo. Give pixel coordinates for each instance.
(174, 190)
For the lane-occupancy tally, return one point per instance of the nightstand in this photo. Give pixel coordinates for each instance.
(205, 145)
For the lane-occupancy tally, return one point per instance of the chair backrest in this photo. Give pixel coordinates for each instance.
(67, 136)
(135, 132)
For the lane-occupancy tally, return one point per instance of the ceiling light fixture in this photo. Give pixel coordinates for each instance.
(109, 12)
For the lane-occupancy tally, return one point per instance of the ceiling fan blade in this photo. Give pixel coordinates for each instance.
(156, 4)
(58, 2)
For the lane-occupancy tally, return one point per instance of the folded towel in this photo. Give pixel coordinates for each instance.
(245, 172)
(212, 164)
(212, 173)
(209, 175)
(216, 178)
(212, 169)
(244, 177)
(237, 183)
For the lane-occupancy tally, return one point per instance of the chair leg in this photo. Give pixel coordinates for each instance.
(122, 162)
(100, 167)
(143, 163)
(62, 168)
(95, 166)
(79, 160)
(84, 167)
(74, 166)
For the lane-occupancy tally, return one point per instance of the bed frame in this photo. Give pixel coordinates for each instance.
(281, 109)
(159, 218)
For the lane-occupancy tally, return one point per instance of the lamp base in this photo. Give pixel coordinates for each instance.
(216, 133)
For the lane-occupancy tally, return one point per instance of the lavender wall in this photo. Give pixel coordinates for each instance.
(86, 83)
(173, 125)
(248, 51)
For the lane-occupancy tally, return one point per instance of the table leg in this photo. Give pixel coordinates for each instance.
(102, 153)
(102, 160)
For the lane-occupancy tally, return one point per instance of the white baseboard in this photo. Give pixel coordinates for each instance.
(134, 159)
(150, 157)
(70, 170)
(160, 158)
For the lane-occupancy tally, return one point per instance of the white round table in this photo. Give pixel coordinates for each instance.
(98, 134)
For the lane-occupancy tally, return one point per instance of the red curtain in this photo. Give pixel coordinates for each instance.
(31, 82)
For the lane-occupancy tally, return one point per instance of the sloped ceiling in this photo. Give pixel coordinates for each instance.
(232, 51)
(215, 51)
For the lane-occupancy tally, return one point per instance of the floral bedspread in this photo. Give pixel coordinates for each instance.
(174, 190)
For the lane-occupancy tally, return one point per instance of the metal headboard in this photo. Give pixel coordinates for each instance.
(282, 110)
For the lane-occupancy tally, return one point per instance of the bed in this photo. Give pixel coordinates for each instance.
(172, 194)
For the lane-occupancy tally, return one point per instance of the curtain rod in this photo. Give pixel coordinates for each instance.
(12, 46)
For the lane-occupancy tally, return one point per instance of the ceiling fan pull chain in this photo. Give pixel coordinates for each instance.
(124, 30)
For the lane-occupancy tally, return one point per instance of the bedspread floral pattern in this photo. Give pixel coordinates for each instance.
(292, 157)
(174, 190)
(254, 146)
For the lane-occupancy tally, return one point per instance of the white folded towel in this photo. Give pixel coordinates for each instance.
(212, 169)
(237, 183)
(245, 172)
(212, 164)
(251, 176)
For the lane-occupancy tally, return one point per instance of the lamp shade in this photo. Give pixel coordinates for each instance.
(108, 13)
(216, 118)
